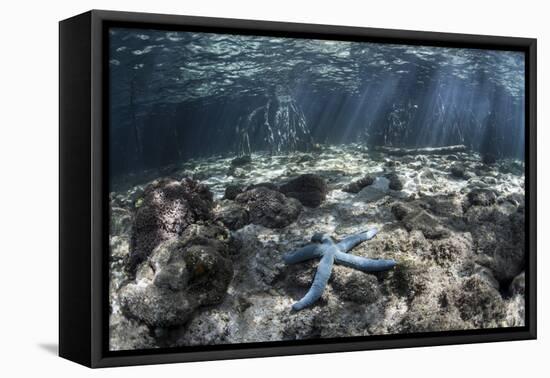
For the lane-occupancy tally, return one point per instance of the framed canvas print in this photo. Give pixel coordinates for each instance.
(233, 188)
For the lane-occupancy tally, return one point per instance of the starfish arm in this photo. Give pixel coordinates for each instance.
(364, 264)
(351, 241)
(305, 253)
(319, 283)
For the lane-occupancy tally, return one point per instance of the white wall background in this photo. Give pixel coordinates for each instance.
(29, 174)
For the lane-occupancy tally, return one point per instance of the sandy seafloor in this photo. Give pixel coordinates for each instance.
(460, 256)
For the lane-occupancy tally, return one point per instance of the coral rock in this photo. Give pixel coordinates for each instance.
(356, 186)
(427, 223)
(499, 240)
(232, 191)
(377, 190)
(188, 272)
(241, 160)
(168, 208)
(311, 190)
(395, 181)
(157, 307)
(269, 208)
(480, 303)
(355, 286)
(481, 197)
(232, 215)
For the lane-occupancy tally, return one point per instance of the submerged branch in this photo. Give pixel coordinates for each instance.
(445, 150)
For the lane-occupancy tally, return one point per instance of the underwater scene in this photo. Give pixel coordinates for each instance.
(271, 189)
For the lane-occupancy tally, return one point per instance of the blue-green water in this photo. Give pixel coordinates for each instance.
(181, 95)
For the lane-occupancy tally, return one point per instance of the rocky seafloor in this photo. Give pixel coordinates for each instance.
(196, 253)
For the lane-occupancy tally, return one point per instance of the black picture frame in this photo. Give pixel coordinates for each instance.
(83, 181)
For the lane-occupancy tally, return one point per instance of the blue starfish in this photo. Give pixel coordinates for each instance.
(330, 252)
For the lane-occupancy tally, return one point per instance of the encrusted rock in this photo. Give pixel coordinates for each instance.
(120, 248)
(121, 221)
(450, 250)
(268, 185)
(128, 334)
(168, 207)
(517, 287)
(232, 191)
(481, 197)
(355, 286)
(516, 199)
(499, 240)
(356, 186)
(427, 223)
(480, 303)
(410, 278)
(232, 215)
(156, 307)
(443, 315)
(241, 160)
(211, 235)
(210, 274)
(470, 268)
(269, 208)
(310, 189)
(377, 190)
(187, 273)
(446, 206)
(458, 171)
(173, 276)
(395, 181)
(400, 210)
(515, 315)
